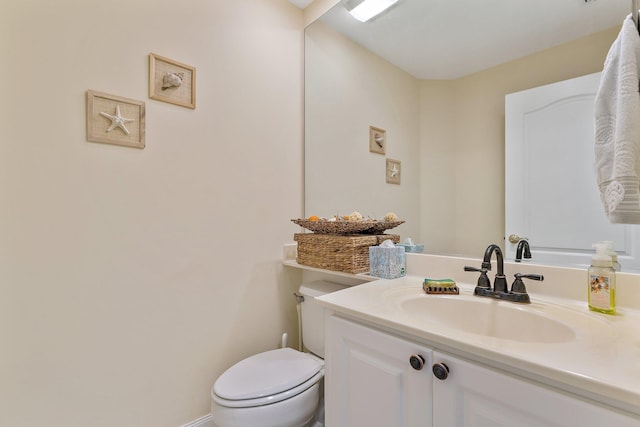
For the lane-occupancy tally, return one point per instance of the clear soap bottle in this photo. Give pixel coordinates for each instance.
(602, 281)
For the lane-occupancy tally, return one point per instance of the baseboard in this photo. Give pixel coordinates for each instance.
(206, 421)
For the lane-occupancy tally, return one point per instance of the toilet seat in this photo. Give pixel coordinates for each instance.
(267, 378)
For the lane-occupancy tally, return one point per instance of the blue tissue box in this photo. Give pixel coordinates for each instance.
(412, 248)
(386, 263)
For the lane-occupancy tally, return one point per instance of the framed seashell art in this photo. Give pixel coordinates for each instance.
(171, 81)
(115, 120)
(377, 140)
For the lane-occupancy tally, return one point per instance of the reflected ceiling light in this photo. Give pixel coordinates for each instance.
(370, 8)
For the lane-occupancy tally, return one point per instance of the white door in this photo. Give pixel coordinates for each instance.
(551, 195)
(370, 380)
(475, 396)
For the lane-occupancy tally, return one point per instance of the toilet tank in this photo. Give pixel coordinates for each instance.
(312, 314)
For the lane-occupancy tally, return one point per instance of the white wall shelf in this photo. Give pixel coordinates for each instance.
(364, 277)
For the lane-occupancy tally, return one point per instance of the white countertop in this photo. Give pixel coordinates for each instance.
(602, 362)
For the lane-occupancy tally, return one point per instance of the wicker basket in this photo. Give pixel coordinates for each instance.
(368, 226)
(349, 254)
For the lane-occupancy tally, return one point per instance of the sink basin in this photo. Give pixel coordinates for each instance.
(488, 317)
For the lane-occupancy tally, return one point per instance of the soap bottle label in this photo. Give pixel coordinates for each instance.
(600, 292)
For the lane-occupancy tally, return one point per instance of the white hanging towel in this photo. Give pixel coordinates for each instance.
(617, 139)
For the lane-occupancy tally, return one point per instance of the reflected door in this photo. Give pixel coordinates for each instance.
(551, 195)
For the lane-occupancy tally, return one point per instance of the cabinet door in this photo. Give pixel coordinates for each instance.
(475, 396)
(370, 381)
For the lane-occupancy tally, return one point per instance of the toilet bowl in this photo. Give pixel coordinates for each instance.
(278, 388)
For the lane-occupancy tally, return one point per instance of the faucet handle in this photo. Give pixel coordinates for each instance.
(538, 277)
(519, 289)
(483, 280)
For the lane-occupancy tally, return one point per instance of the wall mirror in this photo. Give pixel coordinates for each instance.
(433, 75)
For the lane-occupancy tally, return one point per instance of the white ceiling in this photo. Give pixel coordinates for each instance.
(445, 39)
(301, 3)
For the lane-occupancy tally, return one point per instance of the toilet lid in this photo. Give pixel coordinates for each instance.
(266, 374)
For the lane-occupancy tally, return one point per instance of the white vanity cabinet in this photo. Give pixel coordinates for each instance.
(370, 383)
(369, 380)
(473, 395)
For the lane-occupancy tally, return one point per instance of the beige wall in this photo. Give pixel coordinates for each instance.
(130, 279)
(348, 89)
(437, 166)
(463, 125)
(316, 9)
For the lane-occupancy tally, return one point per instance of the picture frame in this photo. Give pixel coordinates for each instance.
(172, 81)
(394, 171)
(377, 140)
(115, 120)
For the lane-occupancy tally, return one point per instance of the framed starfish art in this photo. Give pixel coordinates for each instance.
(115, 120)
(393, 171)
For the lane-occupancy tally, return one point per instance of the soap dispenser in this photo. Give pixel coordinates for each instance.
(602, 281)
(613, 254)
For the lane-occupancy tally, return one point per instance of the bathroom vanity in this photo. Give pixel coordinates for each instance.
(399, 357)
(378, 376)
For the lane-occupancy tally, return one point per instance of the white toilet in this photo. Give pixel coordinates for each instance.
(278, 388)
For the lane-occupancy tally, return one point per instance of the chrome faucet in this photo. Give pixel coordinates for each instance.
(500, 281)
(523, 245)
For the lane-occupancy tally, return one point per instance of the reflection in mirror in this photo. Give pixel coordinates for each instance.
(434, 76)
(348, 90)
(551, 190)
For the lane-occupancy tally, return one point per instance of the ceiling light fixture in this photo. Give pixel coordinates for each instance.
(370, 8)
